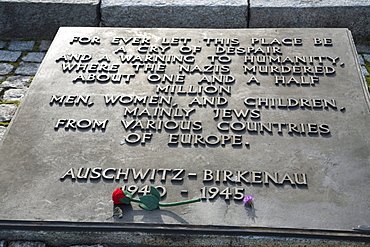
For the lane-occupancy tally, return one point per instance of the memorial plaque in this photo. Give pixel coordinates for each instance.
(281, 115)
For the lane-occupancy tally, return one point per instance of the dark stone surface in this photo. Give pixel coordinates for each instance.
(312, 14)
(363, 48)
(35, 18)
(336, 164)
(190, 14)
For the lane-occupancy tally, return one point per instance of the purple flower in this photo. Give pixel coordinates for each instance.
(248, 200)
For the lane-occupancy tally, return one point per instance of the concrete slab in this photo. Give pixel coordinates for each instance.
(35, 18)
(288, 138)
(161, 13)
(351, 14)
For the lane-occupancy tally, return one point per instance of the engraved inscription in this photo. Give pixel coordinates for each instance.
(204, 93)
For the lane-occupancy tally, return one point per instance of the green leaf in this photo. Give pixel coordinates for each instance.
(154, 192)
(128, 194)
(125, 200)
(150, 202)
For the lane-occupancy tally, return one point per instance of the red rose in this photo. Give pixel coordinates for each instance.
(117, 195)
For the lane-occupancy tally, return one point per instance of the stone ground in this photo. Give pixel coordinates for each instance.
(19, 61)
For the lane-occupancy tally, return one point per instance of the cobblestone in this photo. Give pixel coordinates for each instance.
(21, 45)
(27, 68)
(364, 71)
(360, 59)
(44, 45)
(17, 81)
(34, 57)
(2, 45)
(363, 48)
(367, 57)
(9, 56)
(7, 111)
(14, 94)
(5, 68)
(2, 133)
(16, 77)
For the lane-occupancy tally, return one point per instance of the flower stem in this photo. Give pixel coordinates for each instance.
(179, 203)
